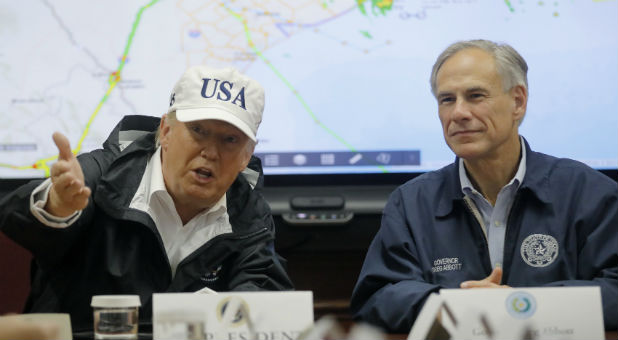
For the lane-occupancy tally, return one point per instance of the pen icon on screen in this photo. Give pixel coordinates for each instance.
(355, 159)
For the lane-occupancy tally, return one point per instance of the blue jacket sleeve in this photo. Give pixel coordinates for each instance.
(596, 218)
(391, 290)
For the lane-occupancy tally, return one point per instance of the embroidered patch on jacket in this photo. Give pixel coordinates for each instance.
(212, 275)
(446, 264)
(539, 250)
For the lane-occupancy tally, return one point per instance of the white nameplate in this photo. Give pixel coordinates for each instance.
(61, 321)
(515, 313)
(232, 315)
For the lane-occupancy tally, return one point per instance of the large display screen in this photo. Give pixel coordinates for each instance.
(347, 82)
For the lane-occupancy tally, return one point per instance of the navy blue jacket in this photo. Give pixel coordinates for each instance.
(429, 239)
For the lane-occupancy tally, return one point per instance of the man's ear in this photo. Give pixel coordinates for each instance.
(520, 98)
(248, 154)
(164, 130)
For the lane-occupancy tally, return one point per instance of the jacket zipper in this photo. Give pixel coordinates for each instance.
(479, 222)
(154, 231)
(477, 216)
(508, 223)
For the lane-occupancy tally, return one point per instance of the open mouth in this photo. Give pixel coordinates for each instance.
(203, 173)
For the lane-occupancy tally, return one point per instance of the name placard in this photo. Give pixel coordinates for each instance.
(232, 315)
(514, 313)
(21, 321)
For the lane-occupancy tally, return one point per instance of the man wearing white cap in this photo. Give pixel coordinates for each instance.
(169, 205)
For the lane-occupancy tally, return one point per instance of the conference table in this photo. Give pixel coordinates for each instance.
(337, 309)
(610, 335)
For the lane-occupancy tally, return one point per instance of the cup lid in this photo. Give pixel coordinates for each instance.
(115, 301)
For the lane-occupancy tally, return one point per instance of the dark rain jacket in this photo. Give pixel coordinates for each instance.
(113, 249)
(430, 239)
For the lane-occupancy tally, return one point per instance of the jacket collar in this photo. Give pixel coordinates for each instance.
(537, 174)
(535, 181)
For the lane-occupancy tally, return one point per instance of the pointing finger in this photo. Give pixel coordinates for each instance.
(64, 147)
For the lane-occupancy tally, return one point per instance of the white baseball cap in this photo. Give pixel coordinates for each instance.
(222, 94)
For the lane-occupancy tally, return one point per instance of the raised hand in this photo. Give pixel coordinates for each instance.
(68, 192)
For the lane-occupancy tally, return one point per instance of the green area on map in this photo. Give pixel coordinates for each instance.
(377, 6)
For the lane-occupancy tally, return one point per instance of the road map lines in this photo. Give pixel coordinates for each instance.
(289, 85)
(282, 25)
(69, 74)
(113, 80)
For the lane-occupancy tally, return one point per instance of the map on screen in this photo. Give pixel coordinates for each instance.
(347, 82)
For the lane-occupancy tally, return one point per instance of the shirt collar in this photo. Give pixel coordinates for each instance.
(466, 184)
(157, 184)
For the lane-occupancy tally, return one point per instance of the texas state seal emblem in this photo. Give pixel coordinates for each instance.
(539, 250)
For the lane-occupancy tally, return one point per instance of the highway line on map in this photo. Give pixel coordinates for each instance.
(291, 87)
(113, 80)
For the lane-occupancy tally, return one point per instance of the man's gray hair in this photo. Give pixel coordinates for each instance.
(171, 118)
(510, 65)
